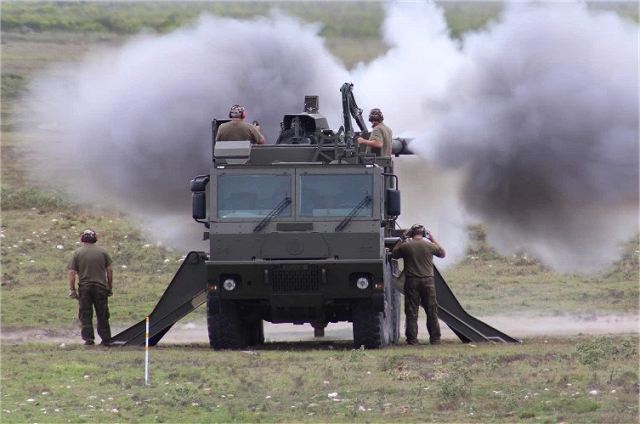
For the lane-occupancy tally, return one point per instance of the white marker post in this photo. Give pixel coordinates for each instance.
(146, 353)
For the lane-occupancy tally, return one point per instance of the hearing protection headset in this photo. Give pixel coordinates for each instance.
(376, 115)
(236, 111)
(89, 236)
(417, 229)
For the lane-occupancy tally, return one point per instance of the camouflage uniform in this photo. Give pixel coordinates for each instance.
(383, 134)
(419, 287)
(90, 262)
(92, 296)
(238, 131)
(420, 291)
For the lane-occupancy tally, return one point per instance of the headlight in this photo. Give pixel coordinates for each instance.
(362, 283)
(229, 284)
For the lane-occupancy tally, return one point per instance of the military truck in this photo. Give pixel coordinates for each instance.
(297, 232)
(300, 231)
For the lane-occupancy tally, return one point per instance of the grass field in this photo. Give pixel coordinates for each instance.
(575, 380)
(544, 380)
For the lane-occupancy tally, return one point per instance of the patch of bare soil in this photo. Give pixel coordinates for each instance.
(518, 327)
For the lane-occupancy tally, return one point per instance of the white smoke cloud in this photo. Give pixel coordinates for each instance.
(430, 196)
(543, 118)
(530, 126)
(136, 122)
(417, 67)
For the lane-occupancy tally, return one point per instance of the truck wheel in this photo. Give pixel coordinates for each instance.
(255, 332)
(368, 325)
(225, 327)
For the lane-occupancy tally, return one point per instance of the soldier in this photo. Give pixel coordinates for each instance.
(380, 140)
(92, 265)
(419, 286)
(237, 129)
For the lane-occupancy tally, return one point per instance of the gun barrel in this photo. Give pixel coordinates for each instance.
(400, 146)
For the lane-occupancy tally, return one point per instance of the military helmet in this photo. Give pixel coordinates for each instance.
(236, 111)
(89, 236)
(376, 115)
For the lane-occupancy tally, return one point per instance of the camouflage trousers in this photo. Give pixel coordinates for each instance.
(420, 291)
(94, 296)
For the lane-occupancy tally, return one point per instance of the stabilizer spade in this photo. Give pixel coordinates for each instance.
(466, 327)
(184, 294)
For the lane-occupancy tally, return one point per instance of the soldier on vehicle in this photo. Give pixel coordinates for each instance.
(237, 129)
(92, 265)
(379, 142)
(419, 286)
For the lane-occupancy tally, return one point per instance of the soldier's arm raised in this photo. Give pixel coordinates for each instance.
(439, 251)
(397, 250)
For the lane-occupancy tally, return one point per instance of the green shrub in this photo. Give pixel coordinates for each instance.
(599, 349)
(27, 198)
(456, 385)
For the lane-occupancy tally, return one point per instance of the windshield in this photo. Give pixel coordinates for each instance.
(334, 195)
(252, 196)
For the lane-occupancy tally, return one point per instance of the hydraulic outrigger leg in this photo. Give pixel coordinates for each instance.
(185, 293)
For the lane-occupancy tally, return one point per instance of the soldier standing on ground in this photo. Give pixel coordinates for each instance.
(237, 129)
(379, 142)
(419, 286)
(92, 265)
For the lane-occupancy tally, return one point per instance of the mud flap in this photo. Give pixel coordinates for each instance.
(187, 291)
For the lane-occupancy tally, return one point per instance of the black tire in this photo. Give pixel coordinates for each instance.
(255, 332)
(368, 326)
(224, 326)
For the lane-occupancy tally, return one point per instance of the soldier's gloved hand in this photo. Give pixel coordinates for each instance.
(110, 293)
(73, 294)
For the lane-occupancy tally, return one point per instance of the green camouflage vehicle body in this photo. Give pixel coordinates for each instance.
(297, 234)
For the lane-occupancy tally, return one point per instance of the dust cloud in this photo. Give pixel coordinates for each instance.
(529, 125)
(521, 327)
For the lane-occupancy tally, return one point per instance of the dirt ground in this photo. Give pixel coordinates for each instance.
(518, 327)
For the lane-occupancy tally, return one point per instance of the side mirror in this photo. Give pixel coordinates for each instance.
(393, 202)
(199, 183)
(198, 205)
(199, 197)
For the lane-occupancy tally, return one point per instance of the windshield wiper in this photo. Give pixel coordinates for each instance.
(357, 208)
(274, 212)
